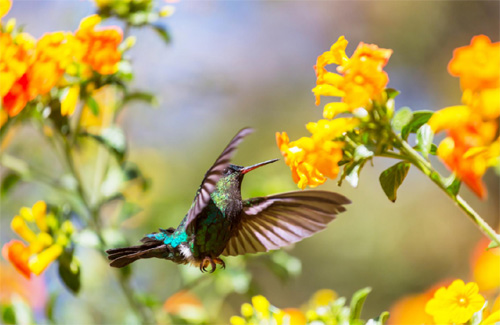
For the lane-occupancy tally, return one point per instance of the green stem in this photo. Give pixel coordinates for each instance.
(144, 314)
(416, 159)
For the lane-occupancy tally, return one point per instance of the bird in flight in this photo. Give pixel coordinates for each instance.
(219, 222)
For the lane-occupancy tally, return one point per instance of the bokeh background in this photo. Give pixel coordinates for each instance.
(249, 63)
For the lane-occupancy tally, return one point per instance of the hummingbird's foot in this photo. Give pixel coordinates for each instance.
(220, 261)
(207, 260)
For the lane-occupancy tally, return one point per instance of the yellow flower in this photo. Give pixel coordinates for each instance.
(261, 305)
(4, 7)
(38, 263)
(323, 297)
(455, 304)
(237, 320)
(70, 100)
(43, 249)
(246, 310)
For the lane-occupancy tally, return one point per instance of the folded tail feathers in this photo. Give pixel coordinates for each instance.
(121, 257)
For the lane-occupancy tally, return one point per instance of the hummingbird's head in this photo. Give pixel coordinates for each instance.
(239, 171)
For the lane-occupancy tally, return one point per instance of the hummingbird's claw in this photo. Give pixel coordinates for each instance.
(207, 260)
(220, 261)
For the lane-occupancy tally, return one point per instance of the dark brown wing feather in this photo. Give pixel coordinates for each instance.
(275, 221)
(213, 175)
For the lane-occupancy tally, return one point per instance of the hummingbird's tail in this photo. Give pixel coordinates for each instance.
(121, 257)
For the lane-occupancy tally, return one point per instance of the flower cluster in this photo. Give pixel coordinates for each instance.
(324, 307)
(262, 312)
(360, 79)
(360, 82)
(456, 302)
(470, 146)
(43, 247)
(29, 68)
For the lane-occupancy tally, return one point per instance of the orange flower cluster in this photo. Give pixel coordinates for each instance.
(44, 247)
(314, 159)
(29, 68)
(360, 78)
(470, 146)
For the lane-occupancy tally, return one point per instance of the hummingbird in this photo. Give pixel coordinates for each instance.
(219, 222)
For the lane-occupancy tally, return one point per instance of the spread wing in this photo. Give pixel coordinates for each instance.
(279, 220)
(213, 175)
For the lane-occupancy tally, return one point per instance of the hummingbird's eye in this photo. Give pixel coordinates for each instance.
(225, 171)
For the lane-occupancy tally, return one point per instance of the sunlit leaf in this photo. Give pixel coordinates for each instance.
(8, 314)
(357, 302)
(424, 139)
(112, 138)
(392, 178)
(383, 318)
(391, 93)
(402, 117)
(92, 105)
(493, 244)
(419, 118)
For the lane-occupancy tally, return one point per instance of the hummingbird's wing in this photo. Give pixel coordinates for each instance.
(279, 220)
(213, 175)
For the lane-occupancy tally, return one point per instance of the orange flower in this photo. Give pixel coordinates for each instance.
(101, 45)
(44, 247)
(18, 254)
(411, 310)
(477, 65)
(54, 53)
(311, 160)
(360, 79)
(33, 290)
(14, 62)
(466, 133)
(486, 267)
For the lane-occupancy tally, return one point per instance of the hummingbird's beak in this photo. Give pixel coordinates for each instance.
(245, 170)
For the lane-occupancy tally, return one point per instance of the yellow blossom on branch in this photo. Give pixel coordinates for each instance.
(456, 303)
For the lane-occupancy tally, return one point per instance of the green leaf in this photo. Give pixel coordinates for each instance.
(112, 138)
(8, 315)
(391, 93)
(424, 139)
(8, 183)
(142, 96)
(392, 178)
(402, 117)
(162, 31)
(69, 271)
(452, 185)
(357, 301)
(419, 118)
(383, 318)
(433, 150)
(92, 104)
(493, 245)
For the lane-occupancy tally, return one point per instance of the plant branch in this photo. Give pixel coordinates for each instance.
(416, 159)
